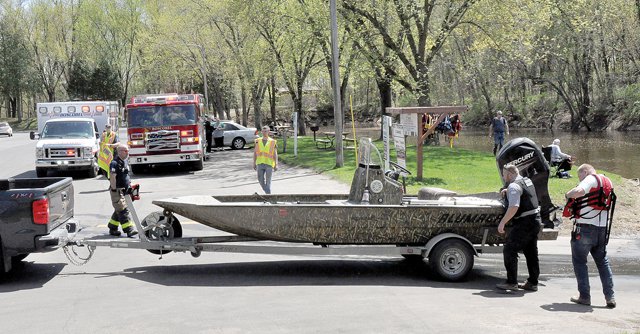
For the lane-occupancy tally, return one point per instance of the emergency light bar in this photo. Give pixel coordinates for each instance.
(162, 98)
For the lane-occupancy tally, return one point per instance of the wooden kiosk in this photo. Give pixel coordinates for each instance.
(442, 112)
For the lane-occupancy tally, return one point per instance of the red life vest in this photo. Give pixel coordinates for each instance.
(597, 198)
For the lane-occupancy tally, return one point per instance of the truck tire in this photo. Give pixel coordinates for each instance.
(93, 171)
(5, 263)
(451, 259)
(137, 169)
(198, 165)
(41, 172)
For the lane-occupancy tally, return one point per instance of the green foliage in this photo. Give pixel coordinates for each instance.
(79, 87)
(460, 170)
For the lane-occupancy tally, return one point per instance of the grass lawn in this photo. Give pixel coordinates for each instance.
(460, 170)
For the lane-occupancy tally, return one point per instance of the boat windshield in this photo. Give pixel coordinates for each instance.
(368, 154)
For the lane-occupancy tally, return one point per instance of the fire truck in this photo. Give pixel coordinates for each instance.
(165, 129)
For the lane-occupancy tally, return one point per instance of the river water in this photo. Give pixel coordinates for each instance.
(614, 151)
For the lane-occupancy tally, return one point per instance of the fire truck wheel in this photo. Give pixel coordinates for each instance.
(137, 169)
(198, 165)
(237, 143)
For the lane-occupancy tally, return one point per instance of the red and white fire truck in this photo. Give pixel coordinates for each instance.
(166, 128)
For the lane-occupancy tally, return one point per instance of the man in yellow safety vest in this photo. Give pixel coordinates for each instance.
(265, 159)
(108, 141)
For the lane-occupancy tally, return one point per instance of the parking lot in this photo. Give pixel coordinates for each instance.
(128, 290)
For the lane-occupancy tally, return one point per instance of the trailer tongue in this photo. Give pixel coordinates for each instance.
(375, 218)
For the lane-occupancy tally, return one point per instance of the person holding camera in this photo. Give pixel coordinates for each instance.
(120, 185)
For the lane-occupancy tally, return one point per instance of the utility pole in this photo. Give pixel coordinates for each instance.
(335, 71)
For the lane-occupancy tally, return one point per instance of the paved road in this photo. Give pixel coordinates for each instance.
(133, 291)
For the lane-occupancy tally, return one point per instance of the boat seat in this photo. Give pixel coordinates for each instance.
(427, 193)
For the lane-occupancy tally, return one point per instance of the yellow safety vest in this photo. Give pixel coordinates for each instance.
(265, 153)
(106, 153)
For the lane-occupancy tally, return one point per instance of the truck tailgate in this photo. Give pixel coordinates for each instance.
(32, 208)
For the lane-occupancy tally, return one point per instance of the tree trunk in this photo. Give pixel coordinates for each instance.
(272, 98)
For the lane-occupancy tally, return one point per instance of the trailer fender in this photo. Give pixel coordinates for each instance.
(435, 240)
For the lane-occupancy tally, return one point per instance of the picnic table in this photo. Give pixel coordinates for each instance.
(328, 141)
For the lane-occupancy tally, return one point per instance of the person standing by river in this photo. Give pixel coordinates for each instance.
(497, 129)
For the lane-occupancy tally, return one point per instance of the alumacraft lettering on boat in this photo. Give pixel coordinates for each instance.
(521, 159)
(462, 218)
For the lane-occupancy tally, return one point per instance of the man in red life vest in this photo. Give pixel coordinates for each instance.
(265, 159)
(590, 233)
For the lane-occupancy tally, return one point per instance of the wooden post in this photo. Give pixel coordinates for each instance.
(443, 111)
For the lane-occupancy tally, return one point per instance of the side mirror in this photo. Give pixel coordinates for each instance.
(97, 135)
(33, 135)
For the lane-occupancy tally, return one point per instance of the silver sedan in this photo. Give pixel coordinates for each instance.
(5, 129)
(237, 136)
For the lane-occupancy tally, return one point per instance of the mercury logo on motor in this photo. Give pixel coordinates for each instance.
(519, 160)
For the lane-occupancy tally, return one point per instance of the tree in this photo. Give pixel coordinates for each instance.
(15, 70)
(292, 45)
(425, 29)
(79, 82)
(50, 23)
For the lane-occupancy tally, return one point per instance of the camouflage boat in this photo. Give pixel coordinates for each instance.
(374, 212)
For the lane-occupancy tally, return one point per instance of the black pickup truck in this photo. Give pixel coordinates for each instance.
(36, 215)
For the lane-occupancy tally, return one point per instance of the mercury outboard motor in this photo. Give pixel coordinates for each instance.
(529, 159)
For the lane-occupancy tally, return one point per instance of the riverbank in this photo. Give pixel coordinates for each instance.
(465, 172)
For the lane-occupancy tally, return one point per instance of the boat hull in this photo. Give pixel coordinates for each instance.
(331, 219)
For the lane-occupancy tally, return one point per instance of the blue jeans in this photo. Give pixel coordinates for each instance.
(591, 239)
(264, 177)
(498, 140)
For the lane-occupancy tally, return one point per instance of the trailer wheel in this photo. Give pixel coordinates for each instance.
(451, 259)
(160, 227)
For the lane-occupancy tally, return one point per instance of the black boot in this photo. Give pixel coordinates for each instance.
(130, 232)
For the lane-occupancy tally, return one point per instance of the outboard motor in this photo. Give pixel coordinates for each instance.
(529, 159)
(370, 185)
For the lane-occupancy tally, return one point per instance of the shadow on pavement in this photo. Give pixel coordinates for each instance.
(29, 275)
(303, 272)
(569, 307)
